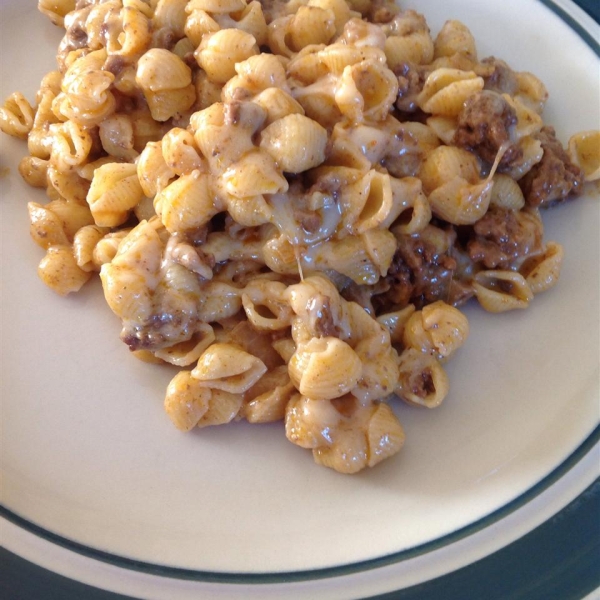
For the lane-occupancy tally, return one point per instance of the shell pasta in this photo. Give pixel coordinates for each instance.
(287, 201)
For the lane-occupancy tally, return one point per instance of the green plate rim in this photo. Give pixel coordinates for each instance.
(298, 576)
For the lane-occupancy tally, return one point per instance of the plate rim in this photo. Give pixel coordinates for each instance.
(310, 574)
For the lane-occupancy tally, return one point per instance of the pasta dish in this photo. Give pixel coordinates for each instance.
(288, 201)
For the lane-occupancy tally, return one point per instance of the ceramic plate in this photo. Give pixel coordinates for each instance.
(95, 479)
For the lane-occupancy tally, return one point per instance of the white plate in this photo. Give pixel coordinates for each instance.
(89, 457)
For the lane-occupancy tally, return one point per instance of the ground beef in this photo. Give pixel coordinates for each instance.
(498, 76)
(555, 178)
(420, 383)
(75, 37)
(165, 37)
(233, 109)
(382, 11)
(115, 64)
(309, 220)
(503, 236)
(328, 183)
(419, 274)
(321, 319)
(163, 329)
(273, 9)
(411, 79)
(483, 127)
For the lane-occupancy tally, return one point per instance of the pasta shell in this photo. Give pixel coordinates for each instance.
(318, 104)
(455, 38)
(285, 347)
(70, 145)
(277, 104)
(223, 407)
(296, 142)
(185, 353)
(251, 20)
(379, 376)
(179, 151)
(216, 6)
(411, 211)
(219, 52)
(114, 191)
(16, 116)
(367, 203)
(438, 329)
(165, 104)
(544, 271)
(145, 128)
(444, 164)
(140, 250)
(415, 48)
(532, 91)
(444, 128)
(336, 57)
(147, 356)
(199, 23)
(301, 296)
(265, 309)
(349, 257)
(34, 171)
(346, 157)
(220, 301)
(269, 397)
(46, 229)
(529, 121)
(252, 211)
(381, 246)
(137, 31)
(186, 402)
(106, 249)
(445, 96)
(84, 243)
(254, 174)
(447, 327)
(348, 454)
(55, 11)
(309, 423)
(461, 203)
(70, 185)
(367, 90)
(169, 13)
(187, 203)
(260, 72)
(532, 154)
(307, 66)
(499, 291)
(422, 380)
(226, 367)
(507, 193)
(136, 305)
(325, 368)
(395, 322)
(584, 151)
(385, 436)
(73, 216)
(310, 25)
(60, 272)
(340, 9)
(159, 70)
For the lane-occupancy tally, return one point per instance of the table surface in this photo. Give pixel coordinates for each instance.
(569, 567)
